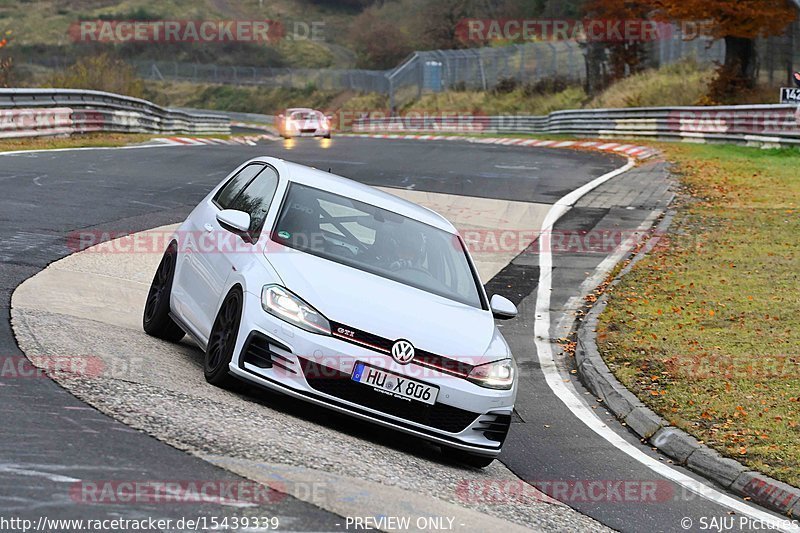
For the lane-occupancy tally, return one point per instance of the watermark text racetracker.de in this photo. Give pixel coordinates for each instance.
(477, 241)
(582, 30)
(194, 31)
(192, 491)
(52, 366)
(730, 121)
(595, 30)
(607, 491)
(383, 121)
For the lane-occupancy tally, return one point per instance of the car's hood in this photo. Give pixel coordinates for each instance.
(387, 308)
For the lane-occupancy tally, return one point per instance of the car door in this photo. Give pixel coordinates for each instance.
(235, 251)
(198, 284)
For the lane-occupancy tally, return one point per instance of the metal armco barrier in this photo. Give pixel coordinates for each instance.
(757, 125)
(40, 112)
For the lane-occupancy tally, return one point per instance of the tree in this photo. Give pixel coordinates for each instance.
(378, 43)
(610, 61)
(6, 63)
(738, 22)
(439, 22)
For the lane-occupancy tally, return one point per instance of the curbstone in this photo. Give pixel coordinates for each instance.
(676, 443)
(600, 381)
(714, 466)
(767, 491)
(644, 422)
(669, 440)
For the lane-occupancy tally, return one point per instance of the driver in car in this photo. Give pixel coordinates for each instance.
(409, 251)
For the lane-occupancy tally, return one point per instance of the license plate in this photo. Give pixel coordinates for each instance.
(394, 384)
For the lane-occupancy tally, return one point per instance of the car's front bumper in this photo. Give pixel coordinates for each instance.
(308, 132)
(317, 368)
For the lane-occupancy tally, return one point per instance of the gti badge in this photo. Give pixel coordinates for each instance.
(402, 352)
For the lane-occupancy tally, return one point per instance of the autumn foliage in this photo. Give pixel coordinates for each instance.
(738, 22)
(6, 63)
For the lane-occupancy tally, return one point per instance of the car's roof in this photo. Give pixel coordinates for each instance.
(303, 109)
(358, 191)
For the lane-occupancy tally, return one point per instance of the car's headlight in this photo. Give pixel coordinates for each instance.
(280, 302)
(497, 375)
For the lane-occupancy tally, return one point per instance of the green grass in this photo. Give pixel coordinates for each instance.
(706, 328)
(491, 103)
(74, 141)
(682, 83)
(235, 98)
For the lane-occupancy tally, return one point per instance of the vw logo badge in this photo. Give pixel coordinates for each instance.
(402, 352)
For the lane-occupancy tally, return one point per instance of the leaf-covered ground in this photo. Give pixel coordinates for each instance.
(706, 329)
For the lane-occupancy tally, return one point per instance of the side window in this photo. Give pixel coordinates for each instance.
(256, 198)
(231, 190)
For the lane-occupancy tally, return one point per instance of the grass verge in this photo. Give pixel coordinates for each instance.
(74, 141)
(706, 328)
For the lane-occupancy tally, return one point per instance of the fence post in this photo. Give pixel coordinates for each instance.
(420, 77)
(553, 60)
(571, 68)
(391, 93)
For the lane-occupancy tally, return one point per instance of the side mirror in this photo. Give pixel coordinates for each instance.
(502, 308)
(237, 222)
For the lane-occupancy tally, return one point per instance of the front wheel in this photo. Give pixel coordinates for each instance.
(155, 319)
(222, 340)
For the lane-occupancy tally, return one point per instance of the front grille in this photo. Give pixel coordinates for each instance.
(495, 428)
(331, 381)
(384, 345)
(264, 352)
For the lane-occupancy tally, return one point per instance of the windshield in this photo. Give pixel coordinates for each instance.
(304, 115)
(377, 241)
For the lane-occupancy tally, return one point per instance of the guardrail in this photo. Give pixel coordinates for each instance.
(761, 125)
(41, 112)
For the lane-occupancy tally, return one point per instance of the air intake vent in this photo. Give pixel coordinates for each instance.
(331, 381)
(264, 352)
(495, 426)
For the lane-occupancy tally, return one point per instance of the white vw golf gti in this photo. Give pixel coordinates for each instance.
(342, 295)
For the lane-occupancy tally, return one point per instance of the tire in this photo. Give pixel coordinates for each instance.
(155, 318)
(469, 459)
(328, 136)
(222, 340)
